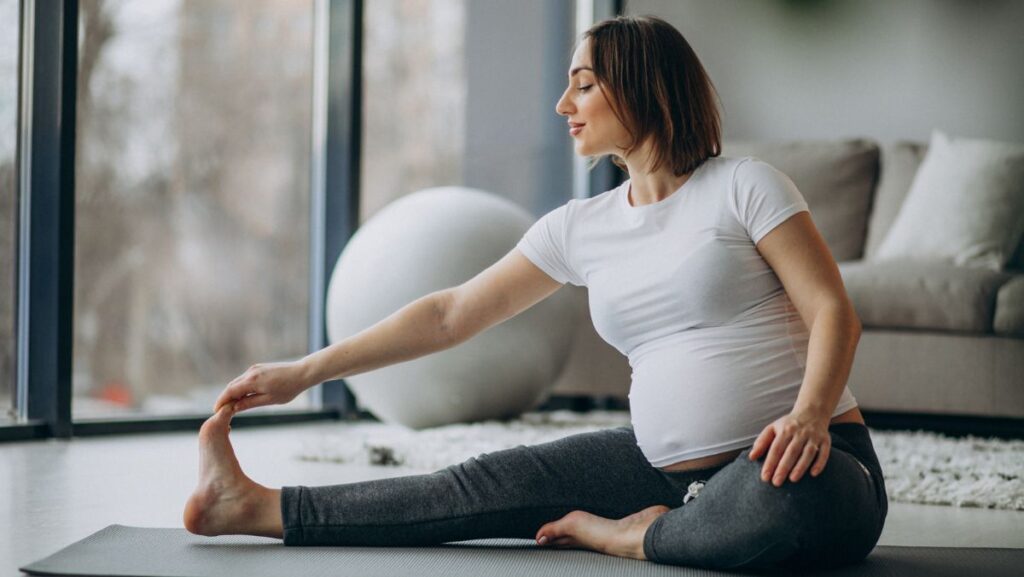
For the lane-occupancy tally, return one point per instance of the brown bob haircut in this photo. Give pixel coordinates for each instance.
(658, 90)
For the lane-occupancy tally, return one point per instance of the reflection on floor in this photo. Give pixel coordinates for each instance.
(53, 493)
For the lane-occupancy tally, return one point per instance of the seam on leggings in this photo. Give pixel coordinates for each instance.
(406, 523)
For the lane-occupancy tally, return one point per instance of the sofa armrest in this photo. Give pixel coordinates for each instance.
(1009, 315)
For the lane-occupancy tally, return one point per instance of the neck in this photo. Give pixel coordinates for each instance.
(646, 186)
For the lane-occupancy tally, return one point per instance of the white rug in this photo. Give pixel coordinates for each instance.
(919, 466)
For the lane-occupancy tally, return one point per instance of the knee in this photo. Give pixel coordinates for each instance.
(826, 515)
(784, 509)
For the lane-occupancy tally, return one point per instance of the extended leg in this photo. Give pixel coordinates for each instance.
(508, 493)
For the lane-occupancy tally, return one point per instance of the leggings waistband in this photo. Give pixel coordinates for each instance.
(853, 438)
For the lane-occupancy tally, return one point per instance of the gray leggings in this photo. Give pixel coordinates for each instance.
(735, 521)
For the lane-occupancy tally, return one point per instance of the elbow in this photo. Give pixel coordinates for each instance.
(446, 313)
(844, 316)
(855, 325)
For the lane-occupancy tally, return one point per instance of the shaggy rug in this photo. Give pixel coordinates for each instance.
(919, 466)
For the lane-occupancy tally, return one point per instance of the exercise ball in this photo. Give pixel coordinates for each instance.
(427, 241)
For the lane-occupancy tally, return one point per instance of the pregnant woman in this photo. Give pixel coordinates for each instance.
(746, 448)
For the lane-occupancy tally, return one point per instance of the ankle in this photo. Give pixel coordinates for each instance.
(268, 522)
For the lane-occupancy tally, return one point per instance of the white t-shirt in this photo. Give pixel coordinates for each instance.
(716, 347)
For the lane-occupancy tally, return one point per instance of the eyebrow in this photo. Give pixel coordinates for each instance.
(577, 69)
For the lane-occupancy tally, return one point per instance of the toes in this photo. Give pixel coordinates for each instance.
(563, 543)
(561, 529)
(218, 423)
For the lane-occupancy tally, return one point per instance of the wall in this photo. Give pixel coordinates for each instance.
(517, 58)
(846, 68)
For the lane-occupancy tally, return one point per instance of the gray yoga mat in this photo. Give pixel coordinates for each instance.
(142, 552)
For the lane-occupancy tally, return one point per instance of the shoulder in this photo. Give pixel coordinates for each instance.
(751, 169)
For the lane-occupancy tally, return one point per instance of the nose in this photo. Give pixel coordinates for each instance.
(561, 107)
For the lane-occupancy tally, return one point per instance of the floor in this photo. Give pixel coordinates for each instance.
(53, 493)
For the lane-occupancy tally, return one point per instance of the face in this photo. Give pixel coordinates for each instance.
(592, 123)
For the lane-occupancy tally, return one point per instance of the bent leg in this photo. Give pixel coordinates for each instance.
(508, 493)
(739, 521)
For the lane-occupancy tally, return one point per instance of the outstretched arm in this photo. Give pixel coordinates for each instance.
(434, 322)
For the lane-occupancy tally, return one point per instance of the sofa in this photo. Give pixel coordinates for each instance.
(938, 338)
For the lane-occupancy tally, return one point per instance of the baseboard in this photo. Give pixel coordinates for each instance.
(949, 425)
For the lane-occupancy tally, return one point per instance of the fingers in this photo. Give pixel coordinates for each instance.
(797, 458)
(763, 440)
(819, 464)
(251, 401)
(775, 453)
(807, 457)
(241, 386)
(228, 396)
(790, 459)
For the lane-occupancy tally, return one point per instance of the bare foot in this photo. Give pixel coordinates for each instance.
(619, 537)
(226, 501)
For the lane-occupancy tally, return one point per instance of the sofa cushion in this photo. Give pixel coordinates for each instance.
(1009, 318)
(922, 294)
(836, 178)
(898, 165)
(965, 206)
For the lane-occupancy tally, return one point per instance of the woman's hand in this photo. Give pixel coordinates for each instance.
(265, 384)
(793, 443)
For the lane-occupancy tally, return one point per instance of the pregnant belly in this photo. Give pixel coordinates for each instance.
(851, 416)
(698, 407)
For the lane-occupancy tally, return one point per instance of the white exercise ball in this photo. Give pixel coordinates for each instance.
(431, 240)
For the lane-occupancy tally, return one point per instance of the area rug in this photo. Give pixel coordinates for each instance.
(919, 466)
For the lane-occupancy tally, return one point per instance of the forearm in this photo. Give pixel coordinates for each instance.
(417, 329)
(830, 351)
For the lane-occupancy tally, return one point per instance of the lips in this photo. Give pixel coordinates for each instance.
(575, 128)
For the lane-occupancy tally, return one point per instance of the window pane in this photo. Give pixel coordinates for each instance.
(192, 222)
(414, 98)
(457, 92)
(9, 38)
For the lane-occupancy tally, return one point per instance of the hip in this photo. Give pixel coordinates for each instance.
(851, 416)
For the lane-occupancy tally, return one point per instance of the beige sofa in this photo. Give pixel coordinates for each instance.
(938, 339)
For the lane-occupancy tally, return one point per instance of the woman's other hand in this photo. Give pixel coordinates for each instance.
(794, 443)
(265, 384)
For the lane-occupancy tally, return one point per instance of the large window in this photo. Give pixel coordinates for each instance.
(192, 199)
(9, 37)
(197, 166)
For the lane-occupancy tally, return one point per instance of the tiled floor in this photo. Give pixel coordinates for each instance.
(53, 493)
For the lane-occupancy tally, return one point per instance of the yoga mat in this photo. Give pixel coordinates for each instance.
(142, 552)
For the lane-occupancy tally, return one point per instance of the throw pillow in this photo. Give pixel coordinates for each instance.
(965, 205)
